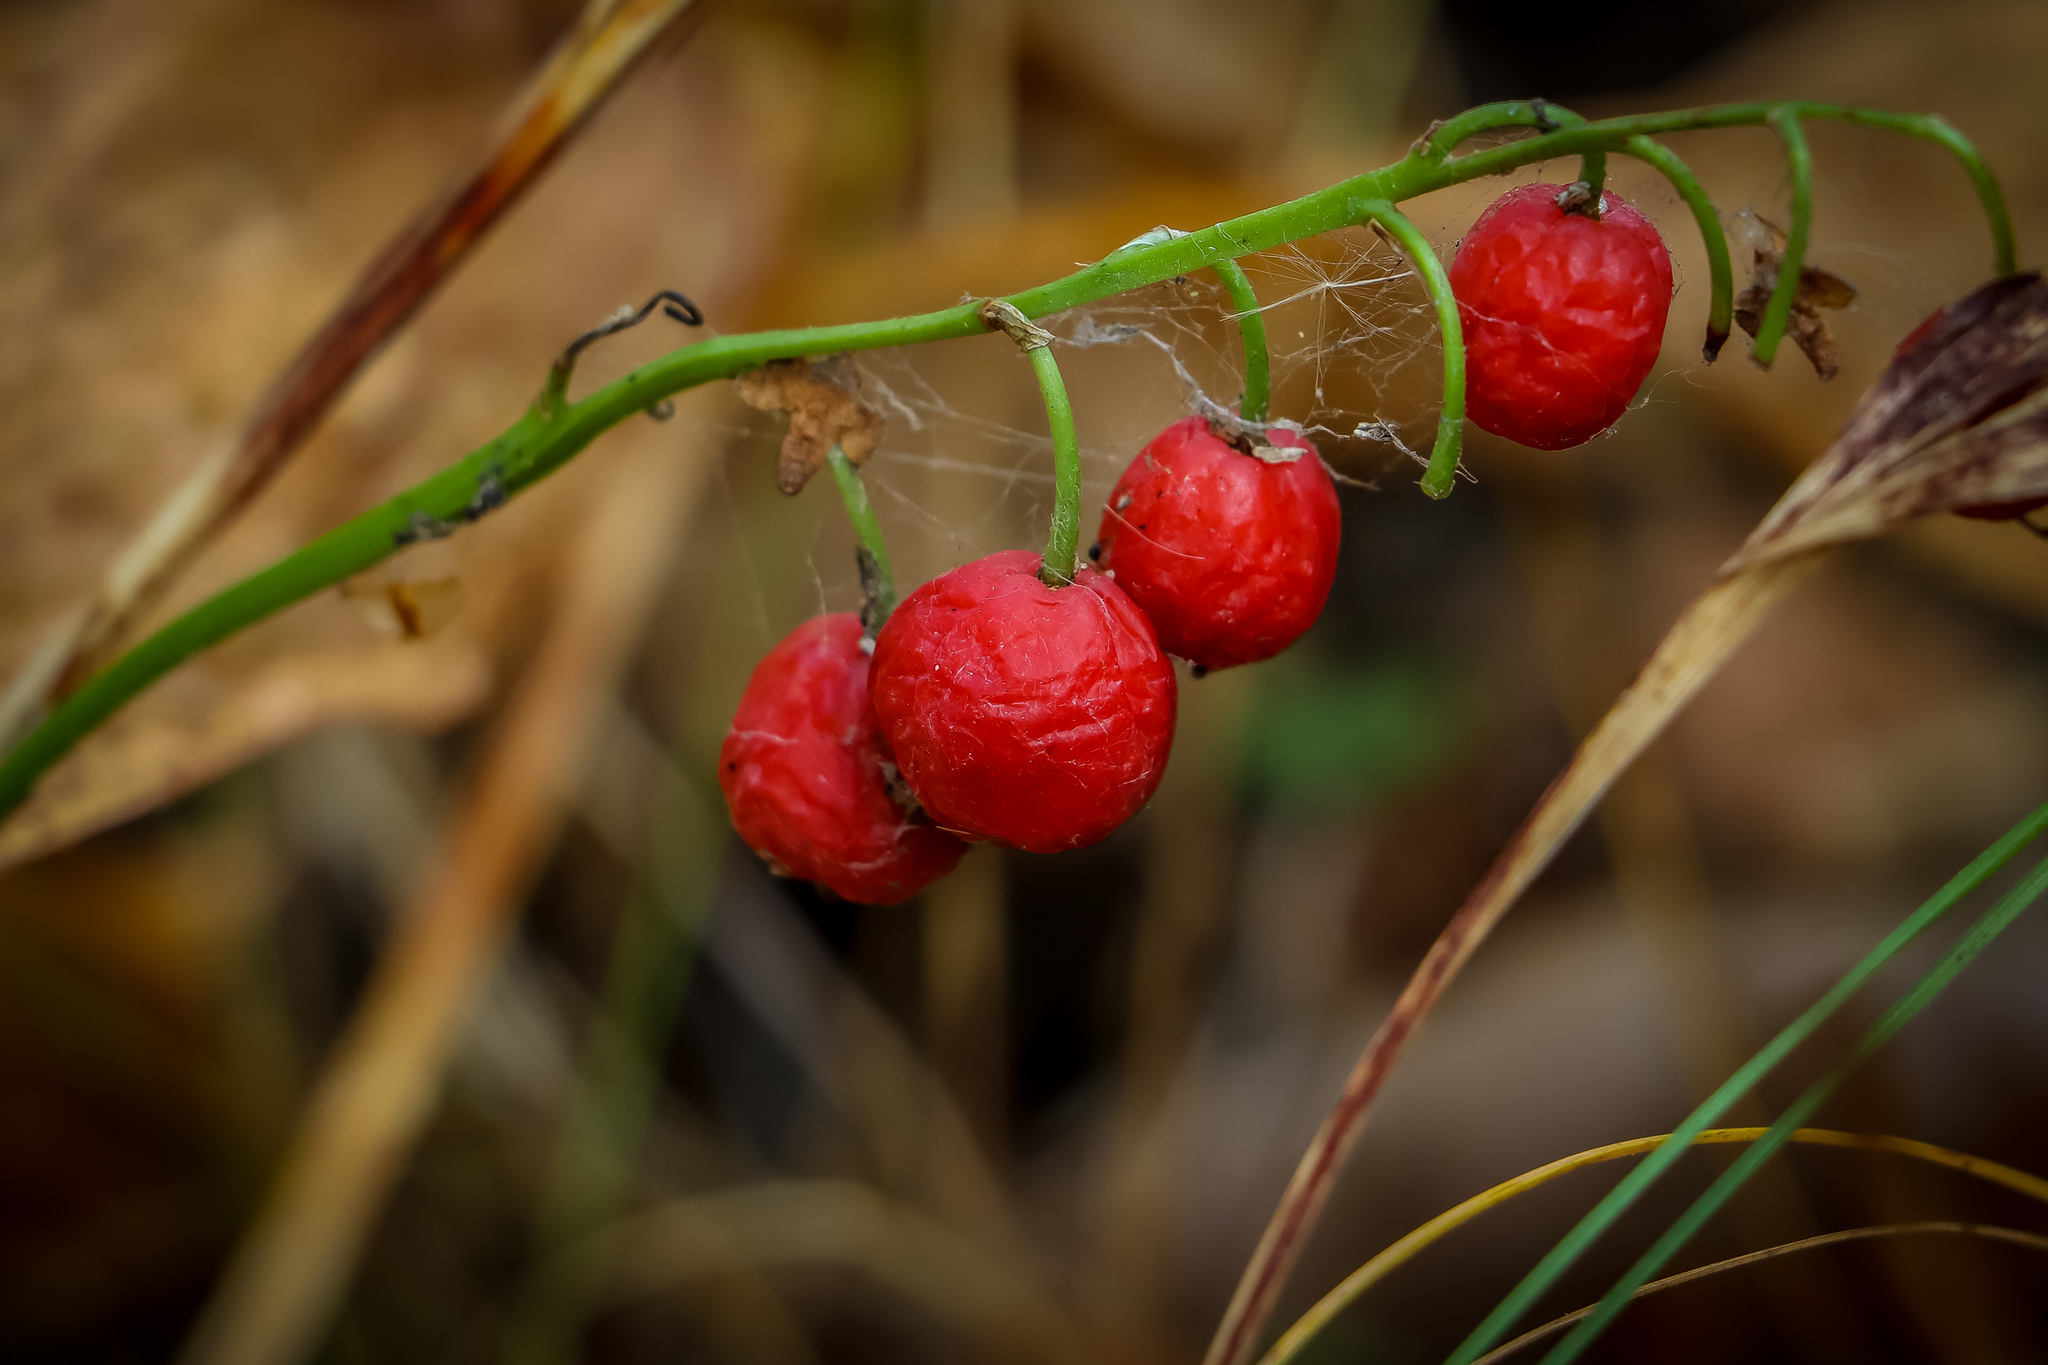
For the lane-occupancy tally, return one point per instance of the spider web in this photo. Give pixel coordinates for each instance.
(965, 466)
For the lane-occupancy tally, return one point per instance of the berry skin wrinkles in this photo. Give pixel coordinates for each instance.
(802, 771)
(1034, 717)
(1231, 555)
(1563, 315)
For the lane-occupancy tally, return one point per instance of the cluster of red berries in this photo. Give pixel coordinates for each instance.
(996, 707)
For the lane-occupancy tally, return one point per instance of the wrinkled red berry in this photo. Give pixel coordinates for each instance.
(1231, 555)
(1036, 717)
(803, 772)
(1562, 315)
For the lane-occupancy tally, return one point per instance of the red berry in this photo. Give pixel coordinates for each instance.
(1036, 717)
(803, 772)
(1231, 555)
(1562, 315)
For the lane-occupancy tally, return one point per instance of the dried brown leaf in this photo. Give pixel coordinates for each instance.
(1805, 326)
(145, 758)
(1959, 419)
(822, 398)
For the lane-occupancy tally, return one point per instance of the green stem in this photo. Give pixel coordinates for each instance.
(1721, 307)
(547, 437)
(877, 575)
(1447, 136)
(1561, 1257)
(1522, 114)
(1994, 922)
(1251, 326)
(1450, 424)
(1593, 175)
(1064, 543)
(1799, 160)
(1613, 133)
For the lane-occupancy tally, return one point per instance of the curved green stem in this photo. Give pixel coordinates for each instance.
(1450, 424)
(877, 575)
(1799, 160)
(1933, 128)
(1521, 114)
(1721, 307)
(1065, 541)
(1613, 133)
(550, 434)
(1446, 137)
(1251, 326)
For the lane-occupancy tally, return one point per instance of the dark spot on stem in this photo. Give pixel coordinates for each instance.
(491, 493)
(421, 526)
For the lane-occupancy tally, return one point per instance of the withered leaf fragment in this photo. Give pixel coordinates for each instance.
(1959, 419)
(1805, 327)
(822, 397)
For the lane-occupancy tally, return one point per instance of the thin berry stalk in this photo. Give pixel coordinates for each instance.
(1443, 458)
(877, 575)
(1799, 159)
(1721, 276)
(1065, 541)
(1251, 327)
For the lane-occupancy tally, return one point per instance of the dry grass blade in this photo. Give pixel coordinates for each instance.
(2014, 1236)
(780, 1223)
(145, 755)
(379, 1086)
(586, 67)
(1709, 631)
(1401, 1252)
(1952, 418)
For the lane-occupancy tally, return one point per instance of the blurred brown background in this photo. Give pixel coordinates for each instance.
(1044, 1111)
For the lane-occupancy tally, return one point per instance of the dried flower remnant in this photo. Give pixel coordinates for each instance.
(1817, 290)
(413, 609)
(822, 398)
(1958, 422)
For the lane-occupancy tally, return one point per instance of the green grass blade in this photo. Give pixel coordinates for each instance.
(1994, 922)
(1547, 1271)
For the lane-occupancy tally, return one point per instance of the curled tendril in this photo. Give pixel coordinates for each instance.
(672, 304)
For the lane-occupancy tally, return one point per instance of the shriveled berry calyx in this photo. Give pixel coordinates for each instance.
(808, 779)
(1563, 314)
(1031, 716)
(1227, 538)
